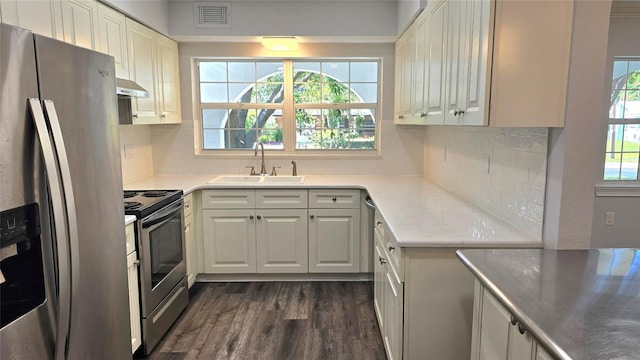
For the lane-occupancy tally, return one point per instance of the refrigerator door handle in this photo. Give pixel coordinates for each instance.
(61, 231)
(69, 199)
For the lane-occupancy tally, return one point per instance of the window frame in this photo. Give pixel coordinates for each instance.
(288, 109)
(615, 188)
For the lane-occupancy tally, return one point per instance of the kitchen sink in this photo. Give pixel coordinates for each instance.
(283, 179)
(243, 179)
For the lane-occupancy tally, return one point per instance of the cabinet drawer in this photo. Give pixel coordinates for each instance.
(334, 199)
(380, 227)
(188, 204)
(228, 199)
(130, 238)
(394, 252)
(281, 199)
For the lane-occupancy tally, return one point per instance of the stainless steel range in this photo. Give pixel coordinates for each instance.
(160, 244)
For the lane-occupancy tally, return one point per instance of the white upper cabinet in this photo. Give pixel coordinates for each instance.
(168, 80)
(80, 23)
(405, 58)
(113, 38)
(486, 62)
(153, 63)
(43, 17)
(142, 69)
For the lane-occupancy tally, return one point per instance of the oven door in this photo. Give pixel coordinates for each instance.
(162, 254)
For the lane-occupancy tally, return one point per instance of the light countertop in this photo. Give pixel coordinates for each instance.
(579, 304)
(128, 219)
(418, 212)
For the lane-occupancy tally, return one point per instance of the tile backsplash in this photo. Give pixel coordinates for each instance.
(137, 163)
(501, 170)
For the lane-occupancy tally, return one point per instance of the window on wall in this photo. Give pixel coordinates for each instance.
(289, 105)
(622, 154)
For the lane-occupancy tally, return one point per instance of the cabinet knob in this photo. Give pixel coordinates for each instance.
(259, 217)
(250, 216)
(400, 116)
(312, 216)
(135, 116)
(521, 329)
(137, 263)
(378, 223)
(457, 112)
(513, 320)
(423, 115)
(391, 248)
(163, 116)
(382, 260)
(334, 199)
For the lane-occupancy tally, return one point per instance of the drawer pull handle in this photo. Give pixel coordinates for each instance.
(312, 216)
(335, 199)
(391, 248)
(382, 261)
(379, 223)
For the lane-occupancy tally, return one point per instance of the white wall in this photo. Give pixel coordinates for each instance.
(317, 18)
(513, 188)
(173, 145)
(624, 40)
(153, 13)
(574, 152)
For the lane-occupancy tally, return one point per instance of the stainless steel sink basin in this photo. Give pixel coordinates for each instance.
(243, 179)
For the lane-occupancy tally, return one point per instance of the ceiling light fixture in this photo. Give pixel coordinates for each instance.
(280, 43)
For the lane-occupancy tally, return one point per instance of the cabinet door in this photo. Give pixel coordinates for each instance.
(142, 69)
(43, 17)
(393, 306)
(190, 249)
(477, 57)
(334, 240)
(420, 93)
(134, 301)
(168, 80)
(80, 23)
(405, 56)
(436, 64)
(229, 241)
(379, 280)
(494, 331)
(281, 237)
(113, 38)
(455, 62)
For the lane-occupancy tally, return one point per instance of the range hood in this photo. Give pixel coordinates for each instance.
(130, 88)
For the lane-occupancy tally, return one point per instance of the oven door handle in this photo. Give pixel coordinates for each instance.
(162, 215)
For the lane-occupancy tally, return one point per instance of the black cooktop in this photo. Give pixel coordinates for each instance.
(143, 203)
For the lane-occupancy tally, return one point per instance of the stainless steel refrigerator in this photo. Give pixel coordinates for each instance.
(64, 290)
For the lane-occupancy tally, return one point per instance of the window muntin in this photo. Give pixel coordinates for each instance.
(333, 102)
(622, 153)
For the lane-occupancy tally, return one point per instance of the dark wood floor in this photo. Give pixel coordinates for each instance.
(275, 320)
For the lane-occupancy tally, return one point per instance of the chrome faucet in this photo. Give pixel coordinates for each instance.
(263, 168)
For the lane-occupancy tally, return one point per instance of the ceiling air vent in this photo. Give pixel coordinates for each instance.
(212, 14)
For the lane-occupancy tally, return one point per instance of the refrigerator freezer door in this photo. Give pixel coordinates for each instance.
(81, 84)
(32, 335)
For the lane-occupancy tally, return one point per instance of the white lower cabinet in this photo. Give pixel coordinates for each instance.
(229, 241)
(334, 240)
(388, 299)
(134, 292)
(281, 236)
(255, 231)
(499, 335)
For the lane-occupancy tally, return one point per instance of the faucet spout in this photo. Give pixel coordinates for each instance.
(263, 168)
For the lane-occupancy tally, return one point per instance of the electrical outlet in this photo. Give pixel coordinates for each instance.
(487, 160)
(444, 154)
(128, 151)
(610, 218)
